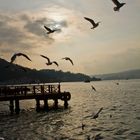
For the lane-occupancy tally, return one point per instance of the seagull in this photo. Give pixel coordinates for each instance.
(92, 22)
(67, 58)
(49, 62)
(97, 114)
(50, 30)
(83, 126)
(93, 88)
(118, 5)
(19, 54)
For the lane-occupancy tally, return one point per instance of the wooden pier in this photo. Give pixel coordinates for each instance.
(44, 92)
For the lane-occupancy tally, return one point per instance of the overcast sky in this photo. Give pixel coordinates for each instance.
(112, 47)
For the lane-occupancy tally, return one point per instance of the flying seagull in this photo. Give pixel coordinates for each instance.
(93, 88)
(67, 58)
(19, 54)
(118, 5)
(92, 22)
(83, 126)
(50, 30)
(97, 114)
(49, 62)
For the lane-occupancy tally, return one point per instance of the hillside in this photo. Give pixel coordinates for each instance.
(130, 74)
(15, 74)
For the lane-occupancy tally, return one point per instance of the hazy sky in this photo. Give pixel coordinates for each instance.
(112, 47)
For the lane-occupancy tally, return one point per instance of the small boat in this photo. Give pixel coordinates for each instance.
(87, 81)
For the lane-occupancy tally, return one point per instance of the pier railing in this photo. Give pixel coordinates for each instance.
(15, 90)
(45, 92)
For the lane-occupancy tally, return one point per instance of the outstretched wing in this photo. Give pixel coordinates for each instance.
(90, 20)
(116, 2)
(93, 88)
(22, 54)
(71, 61)
(13, 58)
(55, 63)
(100, 110)
(45, 58)
(48, 29)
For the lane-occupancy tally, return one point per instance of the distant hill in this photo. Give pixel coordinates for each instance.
(15, 74)
(130, 74)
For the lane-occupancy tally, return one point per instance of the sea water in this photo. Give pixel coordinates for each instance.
(119, 119)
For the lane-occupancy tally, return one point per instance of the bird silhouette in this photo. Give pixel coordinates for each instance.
(50, 30)
(97, 114)
(19, 54)
(93, 88)
(83, 126)
(49, 62)
(67, 58)
(92, 22)
(118, 5)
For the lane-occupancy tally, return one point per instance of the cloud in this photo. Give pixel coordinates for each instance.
(36, 26)
(23, 32)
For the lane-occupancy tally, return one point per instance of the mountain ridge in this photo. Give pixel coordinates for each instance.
(15, 74)
(128, 74)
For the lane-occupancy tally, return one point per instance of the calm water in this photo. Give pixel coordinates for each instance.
(119, 119)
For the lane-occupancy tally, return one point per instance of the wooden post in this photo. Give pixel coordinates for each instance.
(59, 88)
(17, 108)
(34, 90)
(42, 89)
(55, 103)
(46, 106)
(66, 104)
(37, 105)
(11, 106)
(49, 88)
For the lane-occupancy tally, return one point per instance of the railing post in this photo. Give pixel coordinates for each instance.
(42, 89)
(34, 90)
(59, 90)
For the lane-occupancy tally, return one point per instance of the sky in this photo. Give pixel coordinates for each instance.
(113, 46)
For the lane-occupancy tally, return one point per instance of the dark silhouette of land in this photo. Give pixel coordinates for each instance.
(125, 75)
(15, 74)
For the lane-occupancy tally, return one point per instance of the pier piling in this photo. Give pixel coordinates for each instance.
(11, 106)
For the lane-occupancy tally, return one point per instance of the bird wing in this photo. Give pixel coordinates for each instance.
(55, 63)
(21, 54)
(93, 88)
(13, 58)
(48, 29)
(46, 58)
(90, 20)
(71, 61)
(116, 2)
(100, 110)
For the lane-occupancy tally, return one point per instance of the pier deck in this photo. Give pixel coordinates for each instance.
(45, 92)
